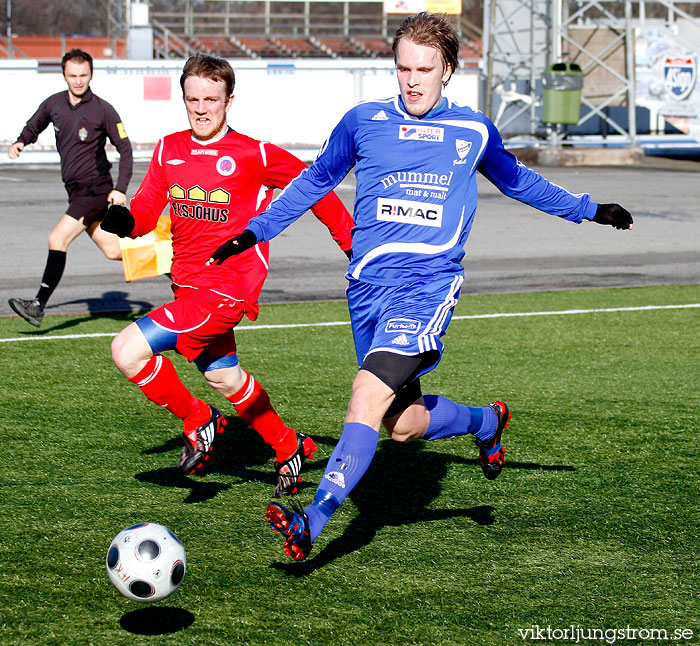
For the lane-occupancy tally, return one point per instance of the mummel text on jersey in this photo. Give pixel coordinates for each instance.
(416, 187)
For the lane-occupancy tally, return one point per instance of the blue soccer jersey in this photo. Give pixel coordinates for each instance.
(416, 187)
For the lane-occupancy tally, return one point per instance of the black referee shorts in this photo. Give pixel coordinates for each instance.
(89, 201)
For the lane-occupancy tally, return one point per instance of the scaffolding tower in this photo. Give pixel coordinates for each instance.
(522, 38)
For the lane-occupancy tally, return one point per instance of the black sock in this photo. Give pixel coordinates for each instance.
(55, 264)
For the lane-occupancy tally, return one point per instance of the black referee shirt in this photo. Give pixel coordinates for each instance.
(81, 133)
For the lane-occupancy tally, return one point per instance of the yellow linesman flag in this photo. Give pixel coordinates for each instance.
(149, 255)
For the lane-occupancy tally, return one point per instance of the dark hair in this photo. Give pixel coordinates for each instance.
(77, 55)
(433, 30)
(210, 67)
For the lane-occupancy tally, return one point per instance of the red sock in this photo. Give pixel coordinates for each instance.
(160, 383)
(253, 406)
(199, 414)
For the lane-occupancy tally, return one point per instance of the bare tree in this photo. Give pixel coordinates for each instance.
(56, 18)
(89, 17)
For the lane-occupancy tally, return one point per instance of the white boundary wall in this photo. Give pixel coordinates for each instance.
(291, 103)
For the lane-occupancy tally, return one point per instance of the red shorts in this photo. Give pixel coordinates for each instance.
(202, 320)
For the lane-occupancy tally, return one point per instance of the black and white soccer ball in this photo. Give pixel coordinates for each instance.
(146, 562)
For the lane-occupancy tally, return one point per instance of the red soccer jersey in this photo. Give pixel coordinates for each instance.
(214, 189)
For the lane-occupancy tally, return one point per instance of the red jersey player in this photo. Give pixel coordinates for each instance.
(215, 180)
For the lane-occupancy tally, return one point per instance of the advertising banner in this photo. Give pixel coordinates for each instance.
(451, 7)
(667, 79)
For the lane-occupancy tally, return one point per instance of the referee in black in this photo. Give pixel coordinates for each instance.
(82, 123)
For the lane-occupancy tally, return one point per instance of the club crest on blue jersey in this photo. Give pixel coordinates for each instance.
(680, 73)
(463, 147)
(421, 133)
(82, 134)
(225, 166)
(404, 326)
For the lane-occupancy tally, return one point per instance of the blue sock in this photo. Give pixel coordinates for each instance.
(350, 459)
(448, 418)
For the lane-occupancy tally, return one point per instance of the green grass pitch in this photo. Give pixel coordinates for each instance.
(594, 523)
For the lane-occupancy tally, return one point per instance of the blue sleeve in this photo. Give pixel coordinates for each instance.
(515, 180)
(335, 159)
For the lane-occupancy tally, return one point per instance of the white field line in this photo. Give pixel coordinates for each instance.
(643, 308)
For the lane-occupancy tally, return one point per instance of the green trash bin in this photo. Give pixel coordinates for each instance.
(561, 93)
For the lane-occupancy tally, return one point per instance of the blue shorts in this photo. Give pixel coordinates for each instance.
(404, 319)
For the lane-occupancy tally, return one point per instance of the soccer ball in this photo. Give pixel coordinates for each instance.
(146, 562)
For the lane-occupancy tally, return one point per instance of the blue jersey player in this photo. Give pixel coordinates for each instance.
(415, 157)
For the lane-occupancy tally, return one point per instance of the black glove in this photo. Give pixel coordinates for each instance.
(348, 253)
(614, 215)
(119, 220)
(233, 247)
